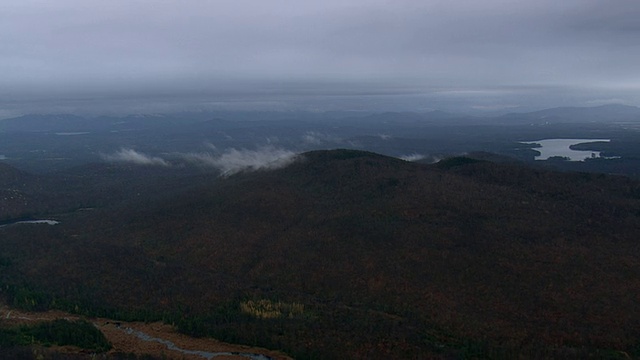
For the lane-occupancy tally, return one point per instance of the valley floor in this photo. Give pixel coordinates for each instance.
(123, 336)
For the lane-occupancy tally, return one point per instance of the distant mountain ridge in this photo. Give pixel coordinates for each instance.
(602, 113)
(71, 123)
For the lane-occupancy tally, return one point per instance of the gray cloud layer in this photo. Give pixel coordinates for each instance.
(268, 51)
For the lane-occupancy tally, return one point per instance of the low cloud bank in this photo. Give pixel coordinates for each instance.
(132, 156)
(427, 159)
(233, 160)
(317, 138)
(413, 157)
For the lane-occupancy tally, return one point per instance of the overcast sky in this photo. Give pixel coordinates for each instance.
(485, 55)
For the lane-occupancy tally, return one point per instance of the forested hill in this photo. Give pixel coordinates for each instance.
(14, 200)
(358, 255)
(9, 175)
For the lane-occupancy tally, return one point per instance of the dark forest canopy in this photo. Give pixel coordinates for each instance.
(362, 255)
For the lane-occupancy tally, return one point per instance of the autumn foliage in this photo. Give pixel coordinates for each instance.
(359, 256)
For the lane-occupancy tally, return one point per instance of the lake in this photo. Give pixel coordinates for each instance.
(47, 222)
(560, 147)
(71, 133)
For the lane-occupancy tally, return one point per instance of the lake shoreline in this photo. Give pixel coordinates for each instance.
(550, 148)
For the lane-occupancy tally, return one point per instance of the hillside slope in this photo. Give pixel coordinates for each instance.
(387, 258)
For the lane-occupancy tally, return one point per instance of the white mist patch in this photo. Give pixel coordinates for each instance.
(312, 137)
(233, 160)
(134, 157)
(413, 157)
(317, 138)
(436, 159)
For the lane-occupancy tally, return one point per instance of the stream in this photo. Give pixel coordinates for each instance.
(140, 335)
(205, 354)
